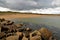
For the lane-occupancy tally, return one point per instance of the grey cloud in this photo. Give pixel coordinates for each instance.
(27, 4)
(56, 2)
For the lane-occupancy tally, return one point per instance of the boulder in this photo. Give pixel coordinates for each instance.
(19, 34)
(4, 29)
(34, 33)
(24, 38)
(21, 29)
(9, 34)
(19, 25)
(0, 28)
(2, 35)
(1, 20)
(4, 23)
(27, 35)
(12, 28)
(10, 23)
(7, 22)
(9, 28)
(52, 38)
(36, 38)
(12, 38)
(45, 33)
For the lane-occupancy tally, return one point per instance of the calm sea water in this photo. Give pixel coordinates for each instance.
(50, 22)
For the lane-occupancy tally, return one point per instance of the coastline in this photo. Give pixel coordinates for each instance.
(13, 16)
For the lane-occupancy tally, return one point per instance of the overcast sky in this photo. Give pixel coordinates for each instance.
(36, 6)
(29, 4)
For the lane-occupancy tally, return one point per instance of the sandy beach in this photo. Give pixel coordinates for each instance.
(13, 16)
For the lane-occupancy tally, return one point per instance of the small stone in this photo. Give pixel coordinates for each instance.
(28, 29)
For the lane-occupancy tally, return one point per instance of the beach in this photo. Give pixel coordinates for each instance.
(13, 16)
(17, 15)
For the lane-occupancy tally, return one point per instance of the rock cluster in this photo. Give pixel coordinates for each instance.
(11, 31)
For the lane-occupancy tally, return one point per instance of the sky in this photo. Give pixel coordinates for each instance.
(34, 6)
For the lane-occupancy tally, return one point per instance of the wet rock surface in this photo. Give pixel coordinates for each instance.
(11, 31)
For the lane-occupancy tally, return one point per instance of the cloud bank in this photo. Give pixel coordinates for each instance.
(4, 9)
(44, 11)
(38, 6)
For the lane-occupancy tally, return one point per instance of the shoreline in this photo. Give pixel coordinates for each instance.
(13, 16)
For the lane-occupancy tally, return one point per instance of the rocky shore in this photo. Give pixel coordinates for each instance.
(11, 31)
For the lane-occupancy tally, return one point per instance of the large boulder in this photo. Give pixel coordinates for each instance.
(4, 29)
(0, 28)
(27, 34)
(9, 28)
(2, 19)
(12, 38)
(4, 23)
(10, 23)
(19, 25)
(7, 22)
(34, 33)
(9, 34)
(52, 38)
(19, 34)
(2, 35)
(45, 33)
(24, 38)
(12, 28)
(36, 38)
